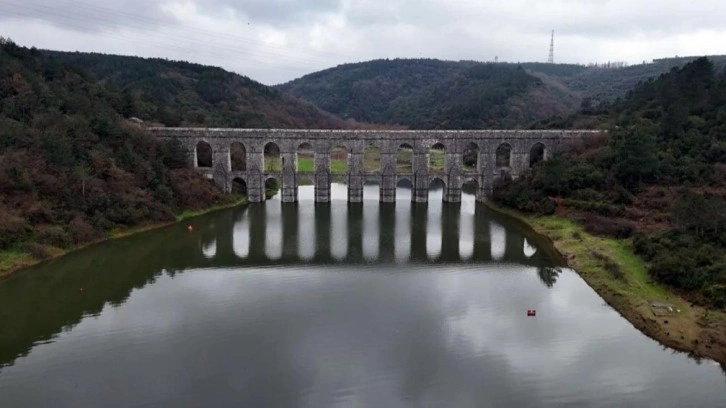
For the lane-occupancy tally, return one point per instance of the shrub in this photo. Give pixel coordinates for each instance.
(35, 250)
(717, 295)
(82, 231)
(605, 226)
(53, 235)
(13, 229)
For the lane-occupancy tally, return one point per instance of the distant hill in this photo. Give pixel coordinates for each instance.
(431, 94)
(178, 93)
(606, 83)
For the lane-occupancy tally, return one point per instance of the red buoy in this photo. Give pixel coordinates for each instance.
(531, 312)
(189, 228)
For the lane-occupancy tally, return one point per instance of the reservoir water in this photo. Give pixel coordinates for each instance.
(330, 305)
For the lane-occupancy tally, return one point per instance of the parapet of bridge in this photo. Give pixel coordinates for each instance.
(520, 146)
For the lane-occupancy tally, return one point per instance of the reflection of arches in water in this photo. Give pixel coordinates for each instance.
(529, 250)
(306, 228)
(210, 249)
(402, 239)
(433, 229)
(273, 230)
(239, 186)
(371, 231)
(339, 232)
(498, 236)
(306, 236)
(238, 157)
(467, 224)
(203, 152)
(241, 236)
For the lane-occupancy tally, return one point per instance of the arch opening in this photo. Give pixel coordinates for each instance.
(404, 183)
(536, 154)
(372, 158)
(305, 163)
(504, 155)
(470, 158)
(404, 159)
(503, 178)
(437, 157)
(437, 185)
(272, 187)
(204, 154)
(239, 186)
(272, 157)
(404, 190)
(470, 186)
(238, 157)
(339, 157)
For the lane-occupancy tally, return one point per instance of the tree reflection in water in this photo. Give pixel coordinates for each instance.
(549, 274)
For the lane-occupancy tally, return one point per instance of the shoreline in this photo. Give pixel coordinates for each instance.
(12, 262)
(626, 287)
(619, 277)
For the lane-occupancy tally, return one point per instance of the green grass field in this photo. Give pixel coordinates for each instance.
(371, 161)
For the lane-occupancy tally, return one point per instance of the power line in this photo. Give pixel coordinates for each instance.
(183, 39)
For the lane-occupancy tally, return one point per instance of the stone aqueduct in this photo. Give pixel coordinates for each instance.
(519, 146)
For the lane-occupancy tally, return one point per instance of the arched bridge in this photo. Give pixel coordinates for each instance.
(252, 157)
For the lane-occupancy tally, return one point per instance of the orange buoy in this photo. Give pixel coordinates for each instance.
(531, 312)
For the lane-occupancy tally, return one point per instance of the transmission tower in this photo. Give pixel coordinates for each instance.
(551, 59)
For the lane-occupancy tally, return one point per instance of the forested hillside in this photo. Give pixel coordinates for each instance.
(607, 82)
(433, 94)
(71, 169)
(176, 93)
(660, 179)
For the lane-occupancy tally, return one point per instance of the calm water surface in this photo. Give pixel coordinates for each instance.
(330, 305)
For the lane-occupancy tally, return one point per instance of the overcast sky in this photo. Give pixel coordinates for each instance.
(274, 41)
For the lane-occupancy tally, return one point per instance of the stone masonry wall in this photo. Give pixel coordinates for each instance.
(355, 141)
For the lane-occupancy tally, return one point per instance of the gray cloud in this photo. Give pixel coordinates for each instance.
(277, 40)
(276, 12)
(86, 15)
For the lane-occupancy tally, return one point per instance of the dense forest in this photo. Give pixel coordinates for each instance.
(73, 167)
(660, 178)
(433, 94)
(175, 93)
(607, 82)
(70, 168)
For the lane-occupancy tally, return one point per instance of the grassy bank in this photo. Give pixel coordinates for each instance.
(620, 277)
(14, 260)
